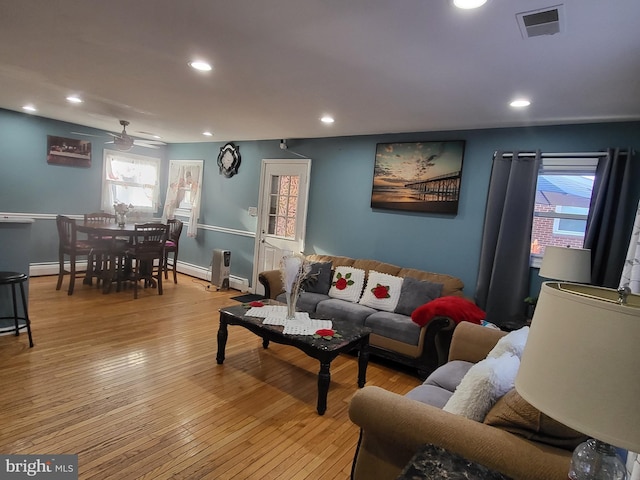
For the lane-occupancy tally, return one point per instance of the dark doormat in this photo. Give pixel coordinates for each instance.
(249, 297)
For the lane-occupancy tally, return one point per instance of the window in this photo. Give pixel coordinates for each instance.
(131, 179)
(563, 196)
(183, 189)
(283, 204)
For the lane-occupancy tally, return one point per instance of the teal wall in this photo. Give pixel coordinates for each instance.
(340, 219)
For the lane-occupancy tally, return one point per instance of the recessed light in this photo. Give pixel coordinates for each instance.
(520, 103)
(469, 4)
(327, 119)
(29, 108)
(207, 134)
(200, 65)
(74, 99)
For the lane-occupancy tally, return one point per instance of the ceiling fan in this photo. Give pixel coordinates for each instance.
(124, 142)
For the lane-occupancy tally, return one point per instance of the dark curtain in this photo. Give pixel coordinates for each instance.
(503, 275)
(611, 213)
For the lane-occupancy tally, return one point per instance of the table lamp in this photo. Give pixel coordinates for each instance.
(566, 264)
(580, 366)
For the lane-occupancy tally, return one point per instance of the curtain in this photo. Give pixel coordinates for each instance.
(184, 175)
(631, 278)
(503, 275)
(615, 192)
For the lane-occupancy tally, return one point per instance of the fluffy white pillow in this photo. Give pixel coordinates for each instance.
(512, 342)
(482, 386)
(347, 283)
(382, 291)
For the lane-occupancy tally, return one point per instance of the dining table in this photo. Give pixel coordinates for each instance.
(115, 238)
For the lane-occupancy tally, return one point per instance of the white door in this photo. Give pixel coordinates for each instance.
(282, 213)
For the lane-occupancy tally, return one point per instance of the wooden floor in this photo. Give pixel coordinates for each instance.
(133, 388)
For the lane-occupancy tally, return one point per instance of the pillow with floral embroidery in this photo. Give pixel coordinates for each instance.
(347, 283)
(382, 291)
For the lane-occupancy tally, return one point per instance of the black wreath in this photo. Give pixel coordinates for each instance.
(229, 160)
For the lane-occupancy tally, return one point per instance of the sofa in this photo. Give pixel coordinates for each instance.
(394, 335)
(514, 438)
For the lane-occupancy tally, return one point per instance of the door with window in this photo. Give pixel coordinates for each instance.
(282, 213)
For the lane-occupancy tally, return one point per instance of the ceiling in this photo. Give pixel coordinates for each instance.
(377, 66)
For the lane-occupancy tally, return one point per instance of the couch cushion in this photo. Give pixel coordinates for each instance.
(382, 267)
(343, 310)
(307, 302)
(334, 259)
(382, 291)
(393, 325)
(319, 278)
(347, 283)
(449, 375)
(416, 292)
(430, 394)
(450, 285)
(482, 386)
(514, 414)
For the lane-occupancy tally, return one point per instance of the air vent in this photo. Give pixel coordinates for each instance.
(546, 21)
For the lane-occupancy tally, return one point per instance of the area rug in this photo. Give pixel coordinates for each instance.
(249, 297)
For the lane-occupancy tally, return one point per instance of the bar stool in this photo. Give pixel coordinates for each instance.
(13, 278)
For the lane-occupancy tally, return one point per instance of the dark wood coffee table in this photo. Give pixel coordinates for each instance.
(353, 338)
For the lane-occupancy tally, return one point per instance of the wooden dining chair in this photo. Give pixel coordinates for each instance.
(70, 246)
(97, 261)
(175, 230)
(147, 255)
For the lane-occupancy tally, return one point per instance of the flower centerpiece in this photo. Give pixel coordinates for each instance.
(294, 269)
(121, 210)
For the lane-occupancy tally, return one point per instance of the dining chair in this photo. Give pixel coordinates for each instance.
(147, 255)
(171, 246)
(97, 261)
(72, 247)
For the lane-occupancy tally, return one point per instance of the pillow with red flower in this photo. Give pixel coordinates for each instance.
(382, 291)
(347, 283)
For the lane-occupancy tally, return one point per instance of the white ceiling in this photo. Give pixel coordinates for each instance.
(377, 66)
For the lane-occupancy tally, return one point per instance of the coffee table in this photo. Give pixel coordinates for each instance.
(353, 338)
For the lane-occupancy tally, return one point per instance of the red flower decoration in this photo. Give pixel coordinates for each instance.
(343, 282)
(256, 304)
(381, 291)
(326, 332)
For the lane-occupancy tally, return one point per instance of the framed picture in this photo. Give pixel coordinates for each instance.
(418, 176)
(68, 152)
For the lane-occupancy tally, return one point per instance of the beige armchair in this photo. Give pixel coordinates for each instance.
(393, 427)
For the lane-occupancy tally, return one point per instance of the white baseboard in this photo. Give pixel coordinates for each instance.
(236, 283)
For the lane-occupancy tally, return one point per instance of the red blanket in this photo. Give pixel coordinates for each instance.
(457, 308)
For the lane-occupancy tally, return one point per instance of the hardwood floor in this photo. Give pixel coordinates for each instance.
(133, 388)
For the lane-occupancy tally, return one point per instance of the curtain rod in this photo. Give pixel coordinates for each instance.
(564, 155)
(558, 155)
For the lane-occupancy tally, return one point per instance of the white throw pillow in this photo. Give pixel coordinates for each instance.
(347, 283)
(382, 291)
(512, 342)
(482, 386)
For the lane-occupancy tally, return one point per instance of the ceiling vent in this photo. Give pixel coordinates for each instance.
(546, 21)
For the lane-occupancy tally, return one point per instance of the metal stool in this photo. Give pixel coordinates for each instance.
(13, 278)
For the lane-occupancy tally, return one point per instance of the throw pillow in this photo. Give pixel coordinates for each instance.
(347, 284)
(514, 414)
(457, 308)
(416, 292)
(482, 386)
(319, 278)
(382, 291)
(512, 342)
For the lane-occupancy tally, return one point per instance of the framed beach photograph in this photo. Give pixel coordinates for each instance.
(418, 176)
(68, 152)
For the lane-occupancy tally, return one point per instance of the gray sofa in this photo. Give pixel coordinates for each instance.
(394, 335)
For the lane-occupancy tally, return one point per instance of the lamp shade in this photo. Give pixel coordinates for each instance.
(566, 264)
(581, 363)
